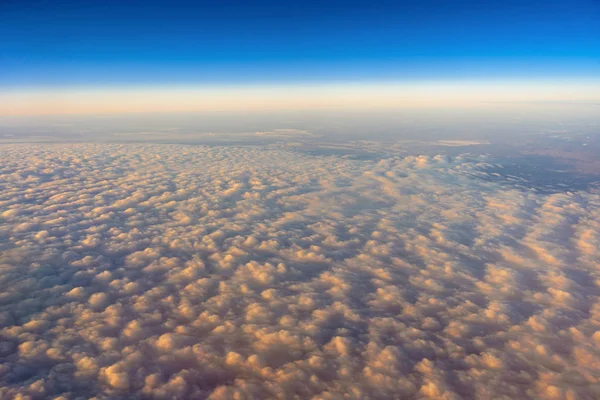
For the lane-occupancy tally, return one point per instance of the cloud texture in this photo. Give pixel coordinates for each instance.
(166, 271)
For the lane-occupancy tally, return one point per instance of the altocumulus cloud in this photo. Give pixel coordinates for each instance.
(164, 271)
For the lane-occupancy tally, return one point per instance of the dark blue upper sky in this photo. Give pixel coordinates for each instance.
(110, 42)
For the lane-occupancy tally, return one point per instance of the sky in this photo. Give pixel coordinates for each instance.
(82, 49)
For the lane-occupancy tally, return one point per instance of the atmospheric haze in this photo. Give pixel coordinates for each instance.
(308, 96)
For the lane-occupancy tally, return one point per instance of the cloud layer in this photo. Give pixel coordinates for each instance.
(165, 271)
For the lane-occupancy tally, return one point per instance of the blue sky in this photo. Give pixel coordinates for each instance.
(65, 43)
(67, 56)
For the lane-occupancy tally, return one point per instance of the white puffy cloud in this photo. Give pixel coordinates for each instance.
(167, 271)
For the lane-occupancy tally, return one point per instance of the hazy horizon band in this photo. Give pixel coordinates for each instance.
(384, 95)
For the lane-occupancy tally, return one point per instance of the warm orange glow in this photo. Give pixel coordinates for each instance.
(315, 96)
